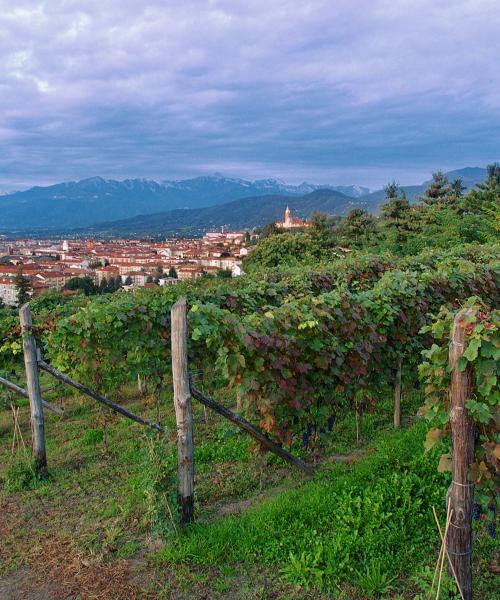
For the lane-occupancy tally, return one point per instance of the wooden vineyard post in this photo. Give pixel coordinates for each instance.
(397, 396)
(34, 393)
(183, 411)
(462, 435)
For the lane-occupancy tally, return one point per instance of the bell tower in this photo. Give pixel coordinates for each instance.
(288, 217)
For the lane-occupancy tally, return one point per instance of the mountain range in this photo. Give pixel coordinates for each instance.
(143, 207)
(94, 200)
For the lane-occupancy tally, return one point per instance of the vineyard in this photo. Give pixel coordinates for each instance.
(332, 364)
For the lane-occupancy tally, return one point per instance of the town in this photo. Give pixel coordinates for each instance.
(43, 265)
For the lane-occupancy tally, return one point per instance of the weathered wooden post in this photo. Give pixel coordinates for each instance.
(141, 385)
(34, 393)
(461, 490)
(397, 396)
(183, 411)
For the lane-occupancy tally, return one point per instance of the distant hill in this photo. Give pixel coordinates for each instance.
(470, 177)
(82, 203)
(239, 214)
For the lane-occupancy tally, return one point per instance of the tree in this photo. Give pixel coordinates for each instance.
(172, 273)
(224, 274)
(396, 214)
(149, 279)
(319, 222)
(128, 280)
(85, 284)
(268, 230)
(457, 188)
(438, 190)
(23, 288)
(492, 177)
(393, 190)
(358, 227)
(103, 286)
(483, 202)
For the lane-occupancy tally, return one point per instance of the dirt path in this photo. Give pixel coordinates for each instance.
(22, 586)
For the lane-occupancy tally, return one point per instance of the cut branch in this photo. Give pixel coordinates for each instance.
(102, 399)
(22, 392)
(244, 425)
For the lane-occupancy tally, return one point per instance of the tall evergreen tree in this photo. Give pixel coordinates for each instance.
(393, 190)
(23, 288)
(457, 188)
(358, 227)
(438, 189)
(484, 200)
(103, 286)
(492, 177)
(396, 214)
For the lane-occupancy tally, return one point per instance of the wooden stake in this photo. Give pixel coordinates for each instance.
(447, 553)
(183, 411)
(397, 396)
(141, 387)
(34, 394)
(462, 436)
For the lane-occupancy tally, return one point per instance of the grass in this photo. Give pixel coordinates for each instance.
(376, 512)
(103, 519)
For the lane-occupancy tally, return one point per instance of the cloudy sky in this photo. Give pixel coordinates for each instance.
(337, 91)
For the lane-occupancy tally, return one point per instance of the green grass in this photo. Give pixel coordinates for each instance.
(377, 511)
(263, 530)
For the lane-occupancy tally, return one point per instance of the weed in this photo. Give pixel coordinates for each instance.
(373, 580)
(306, 569)
(423, 580)
(92, 437)
(21, 475)
(128, 549)
(157, 483)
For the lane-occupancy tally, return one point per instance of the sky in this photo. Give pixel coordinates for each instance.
(335, 91)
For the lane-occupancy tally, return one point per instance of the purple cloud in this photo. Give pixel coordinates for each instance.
(346, 92)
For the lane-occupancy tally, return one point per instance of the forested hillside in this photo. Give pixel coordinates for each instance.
(240, 214)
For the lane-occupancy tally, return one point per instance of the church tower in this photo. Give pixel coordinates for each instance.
(288, 217)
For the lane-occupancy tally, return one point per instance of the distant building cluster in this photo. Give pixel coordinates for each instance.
(49, 265)
(291, 222)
